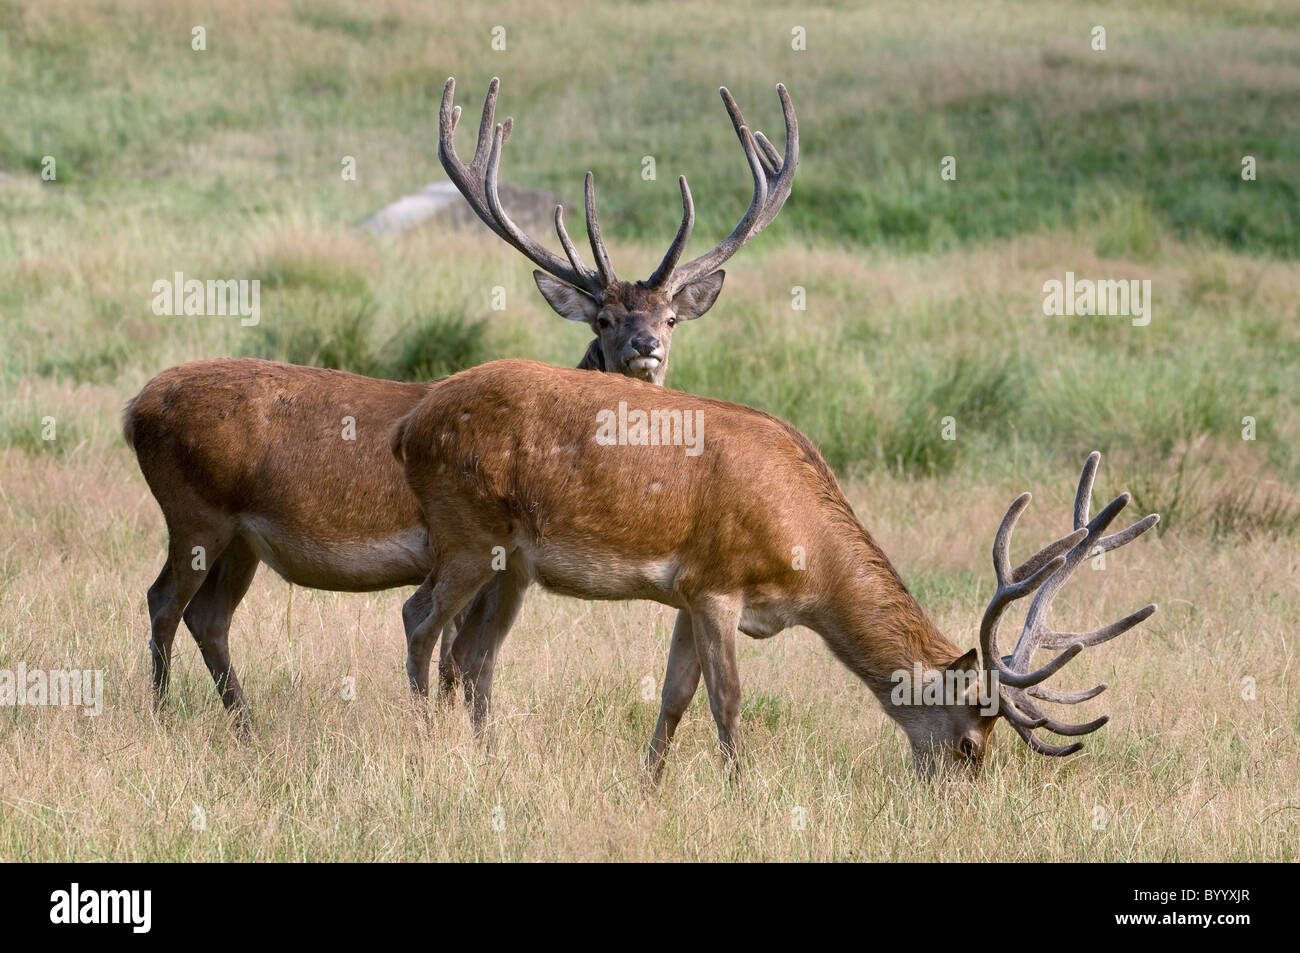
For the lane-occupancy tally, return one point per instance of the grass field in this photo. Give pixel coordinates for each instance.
(924, 301)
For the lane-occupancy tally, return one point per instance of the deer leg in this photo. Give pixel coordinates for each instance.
(416, 610)
(485, 626)
(713, 623)
(446, 591)
(449, 675)
(680, 682)
(182, 576)
(208, 617)
(162, 629)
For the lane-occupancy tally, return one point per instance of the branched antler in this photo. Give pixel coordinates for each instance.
(773, 178)
(1044, 574)
(478, 182)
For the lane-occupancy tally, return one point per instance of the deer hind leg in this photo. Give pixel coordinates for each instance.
(484, 627)
(445, 591)
(449, 677)
(208, 617)
(713, 623)
(188, 560)
(414, 611)
(681, 680)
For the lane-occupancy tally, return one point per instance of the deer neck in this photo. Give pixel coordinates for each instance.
(874, 625)
(594, 359)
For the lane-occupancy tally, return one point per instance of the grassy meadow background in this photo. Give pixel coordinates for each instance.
(923, 301)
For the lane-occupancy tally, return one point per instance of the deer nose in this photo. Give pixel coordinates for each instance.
(645, 346)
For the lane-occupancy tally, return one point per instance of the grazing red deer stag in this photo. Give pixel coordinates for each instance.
(588, 487)
(251, 461)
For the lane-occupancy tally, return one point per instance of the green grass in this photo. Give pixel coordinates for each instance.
(225, 163)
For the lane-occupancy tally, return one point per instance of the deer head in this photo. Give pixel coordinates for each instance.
(959, 733)
(633, 321)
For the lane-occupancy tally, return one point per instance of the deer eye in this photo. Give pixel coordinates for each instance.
(603, 323)
(967, 747)
(672, 321)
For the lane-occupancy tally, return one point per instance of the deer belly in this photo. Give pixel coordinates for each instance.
(356, 564)
(589, 575)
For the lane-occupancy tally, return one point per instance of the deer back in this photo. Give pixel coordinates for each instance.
(550, 453)
(301, 446)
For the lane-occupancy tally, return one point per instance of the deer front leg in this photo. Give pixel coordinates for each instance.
(713, 623)
(681, 679)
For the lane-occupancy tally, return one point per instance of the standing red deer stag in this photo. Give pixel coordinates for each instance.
(549, 465)
(248, 462)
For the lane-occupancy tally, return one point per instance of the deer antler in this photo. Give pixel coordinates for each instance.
(478, 182)
(1046, 572)
(773, 178)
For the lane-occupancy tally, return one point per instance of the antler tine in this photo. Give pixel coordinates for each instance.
(1018, 687)
(1028, 708)
(598, 251)
(771, 158)
(515, 236)
(1064, 698)
(1043, 747)
(485, 123)
(1126, 535)
(1054, 640)
(773, 178)
(1050, 639)
(477, 182)
(1083, 495)
(1035, 633)
(779, 190)
(665, 269)
(1013, 584)
(1017, 718)
(1034, 628)
(570, 249)
(1002, 541)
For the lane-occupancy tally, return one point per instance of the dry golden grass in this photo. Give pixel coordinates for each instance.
(1188, 769)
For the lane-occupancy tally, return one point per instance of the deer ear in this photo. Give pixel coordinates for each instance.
(698, 297)
(970, 662)
(569, 302)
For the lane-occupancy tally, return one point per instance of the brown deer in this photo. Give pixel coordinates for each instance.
(740, 526)
(633, 322)
(253, 461)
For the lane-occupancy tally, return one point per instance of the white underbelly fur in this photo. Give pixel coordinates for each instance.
(348, 565)
(579, 572)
